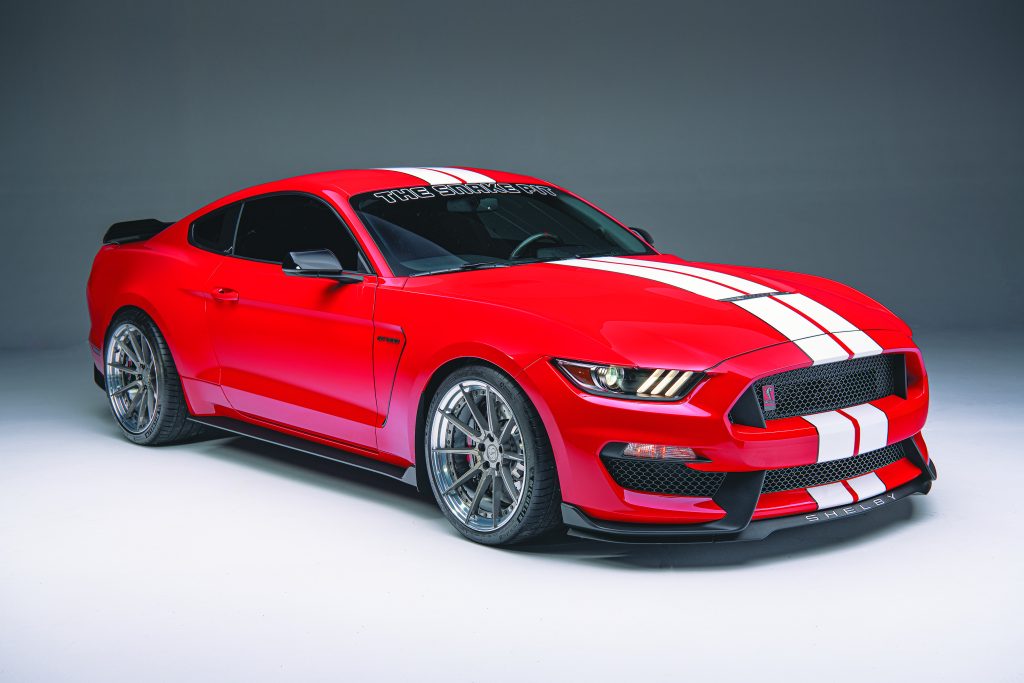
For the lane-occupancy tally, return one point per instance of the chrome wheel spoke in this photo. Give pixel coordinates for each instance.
(492, 421)
(506, 479)
(135, 402)
(473, 410)
(506, 430)
(462, 426)
(463, 479)
(128, 352)
(143, 407)
(127, 387)
(134, 343)
(124, 368)
(456, 451)
(474, 507)
(495, 501)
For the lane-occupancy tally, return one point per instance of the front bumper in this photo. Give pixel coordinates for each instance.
(736, 525)
(580, 426)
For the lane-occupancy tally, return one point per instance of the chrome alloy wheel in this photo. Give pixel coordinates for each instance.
(477, 457)
(133, 378)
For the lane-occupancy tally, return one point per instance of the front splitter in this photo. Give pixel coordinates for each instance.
(584, 526)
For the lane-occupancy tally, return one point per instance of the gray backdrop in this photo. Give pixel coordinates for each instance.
(876, 143)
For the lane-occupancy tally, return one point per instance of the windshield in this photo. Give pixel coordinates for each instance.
(445, 228)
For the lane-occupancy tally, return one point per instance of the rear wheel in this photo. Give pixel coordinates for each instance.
(488, 459)
(142, 383)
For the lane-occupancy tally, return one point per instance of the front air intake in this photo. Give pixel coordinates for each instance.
(804, 476)
(663, 476)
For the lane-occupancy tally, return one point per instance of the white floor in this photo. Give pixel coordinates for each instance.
(233, 561)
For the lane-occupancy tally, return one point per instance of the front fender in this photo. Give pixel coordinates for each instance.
(435, 335)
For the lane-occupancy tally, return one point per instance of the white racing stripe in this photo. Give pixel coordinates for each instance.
(835, 435)
(867, 485)
(690, 284)
(428, 175)
(465, 175)
(873, 424)
(820, 347)
(858, 342)
(830, 495)
(826, 317)
(791, 314)
(741, 285)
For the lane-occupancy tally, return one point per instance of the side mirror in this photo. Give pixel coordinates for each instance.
(644, 234)
(321, 263)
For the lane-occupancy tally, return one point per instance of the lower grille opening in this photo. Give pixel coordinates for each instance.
(803, 476)
(662, 476)
(676, 479)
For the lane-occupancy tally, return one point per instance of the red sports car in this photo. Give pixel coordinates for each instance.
(501, 341)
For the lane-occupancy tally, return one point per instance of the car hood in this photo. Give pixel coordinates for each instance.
(638, 320)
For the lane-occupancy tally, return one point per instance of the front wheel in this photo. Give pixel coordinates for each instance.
(489, 460)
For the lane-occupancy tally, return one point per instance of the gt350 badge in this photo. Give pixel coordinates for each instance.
(768, 394)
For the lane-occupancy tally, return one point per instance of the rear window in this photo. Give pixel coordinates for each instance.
(216, 230)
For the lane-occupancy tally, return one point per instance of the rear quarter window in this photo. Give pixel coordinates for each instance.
(216, 230)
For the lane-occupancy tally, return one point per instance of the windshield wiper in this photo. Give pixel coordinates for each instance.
(482, 265)
(596, 254)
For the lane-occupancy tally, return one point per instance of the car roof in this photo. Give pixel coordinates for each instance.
(351, 182)
(356, 181)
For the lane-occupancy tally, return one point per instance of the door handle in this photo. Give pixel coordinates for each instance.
(224, 294)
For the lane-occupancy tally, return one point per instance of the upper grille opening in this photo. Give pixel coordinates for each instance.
(831, 386)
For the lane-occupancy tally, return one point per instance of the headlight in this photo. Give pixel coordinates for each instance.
(633, 383)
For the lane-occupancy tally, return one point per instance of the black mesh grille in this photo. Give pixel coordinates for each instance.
(821, 388)
(658, 476)
(801, 477)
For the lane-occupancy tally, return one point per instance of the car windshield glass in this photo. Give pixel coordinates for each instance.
(446, 228)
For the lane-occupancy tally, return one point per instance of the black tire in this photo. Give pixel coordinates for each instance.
(539, 511)
(171, 424)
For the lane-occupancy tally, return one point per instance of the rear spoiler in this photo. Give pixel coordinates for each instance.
(134, 231)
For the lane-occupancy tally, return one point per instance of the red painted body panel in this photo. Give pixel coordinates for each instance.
(349, 365)
(296, 351)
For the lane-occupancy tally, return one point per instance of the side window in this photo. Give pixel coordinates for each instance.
(270, 227)
(216, 230)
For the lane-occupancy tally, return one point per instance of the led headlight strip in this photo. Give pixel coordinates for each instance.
(635, 383)
(666, 383)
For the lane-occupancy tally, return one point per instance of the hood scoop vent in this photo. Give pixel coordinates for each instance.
(744, 297)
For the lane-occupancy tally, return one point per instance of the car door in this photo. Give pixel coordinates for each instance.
(295, 351)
